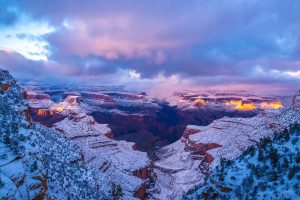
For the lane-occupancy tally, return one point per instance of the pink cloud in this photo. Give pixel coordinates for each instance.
(113, 37)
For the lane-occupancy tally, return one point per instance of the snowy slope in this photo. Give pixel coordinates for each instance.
(37, 162)
(22, 174)
(269, 171)
(185, 163)
(117, 159)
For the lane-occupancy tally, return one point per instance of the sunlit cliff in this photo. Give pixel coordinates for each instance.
(271, 105)
(247, 106)
(240, 105)
(200, 102)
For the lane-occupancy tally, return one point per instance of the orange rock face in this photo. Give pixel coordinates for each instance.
(134, 147)
(141, 193)
(200, 102)
(241, 105)
(44, 116)
(43, 185)
(143, 173)
(26, 113)
(273, 105)
(198, 149)
(5, 87)
(41, 112)
(208, 158)
(189, 132)
(109, 135)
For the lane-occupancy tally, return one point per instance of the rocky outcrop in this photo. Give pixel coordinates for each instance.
(70, 93)
(98, 96)
(200, 149)
(4, 87)
(37, 96)
(143, 173)
(43, 112)
(45, 116)
(141, 192)
(110, 135)
(189, 131)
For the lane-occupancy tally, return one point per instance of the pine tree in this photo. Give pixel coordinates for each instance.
(291, 172)
(264, 142)
(116, 191)
(34, 166)
(260, 156)
(285, 163)
(286, 134)
(6, 138)
(298, 157)
(1, 182)
(273, 176)
(273, 154)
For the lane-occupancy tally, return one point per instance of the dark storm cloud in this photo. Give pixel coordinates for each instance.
(238, 41)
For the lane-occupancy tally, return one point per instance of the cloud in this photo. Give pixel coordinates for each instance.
(207, 43)
(23, 35)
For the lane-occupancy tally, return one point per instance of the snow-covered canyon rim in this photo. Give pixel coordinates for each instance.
(148, 122)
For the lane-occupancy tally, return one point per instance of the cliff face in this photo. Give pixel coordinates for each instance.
(185, 163)
(37, 96)
(45, 116)
(144, 174)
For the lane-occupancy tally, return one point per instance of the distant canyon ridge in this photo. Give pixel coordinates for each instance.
(148, 122)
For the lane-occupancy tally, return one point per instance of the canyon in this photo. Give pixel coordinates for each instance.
(148, 122)
(147, 125)
(127, 144)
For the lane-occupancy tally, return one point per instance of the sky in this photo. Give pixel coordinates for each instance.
(155, 45)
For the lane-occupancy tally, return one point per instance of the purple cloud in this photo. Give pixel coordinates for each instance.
(207, 42)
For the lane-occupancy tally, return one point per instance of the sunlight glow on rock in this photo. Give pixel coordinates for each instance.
(57, 109)
(200, 102)
(240, 105)
(271, 105)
